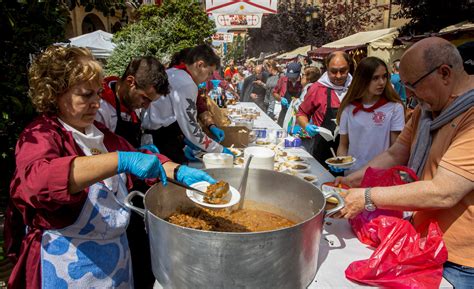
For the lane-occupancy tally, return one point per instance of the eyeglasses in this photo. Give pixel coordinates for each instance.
(412, 86)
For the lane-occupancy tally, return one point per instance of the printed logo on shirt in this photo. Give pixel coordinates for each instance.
(379, 117)
(95, 151)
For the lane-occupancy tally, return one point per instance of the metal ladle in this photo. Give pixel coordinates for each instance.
(243, 182)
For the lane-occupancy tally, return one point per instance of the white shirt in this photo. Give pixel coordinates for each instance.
(180, 105)
(369, 132)
(92, 143)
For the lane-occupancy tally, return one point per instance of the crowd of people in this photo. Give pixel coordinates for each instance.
(96, 138)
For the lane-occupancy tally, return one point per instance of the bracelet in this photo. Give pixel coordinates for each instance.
(175, 172)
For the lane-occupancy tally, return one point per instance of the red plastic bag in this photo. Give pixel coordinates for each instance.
(402, 259)
(378, 178)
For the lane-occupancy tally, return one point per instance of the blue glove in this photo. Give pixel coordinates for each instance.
(189, 154)
(312, 129)
(284, 103)
(142, 165)
(227, 151)
(150, 147)
(336, 170)
(296, 129)
(191, 145)
(190, 176)
(217, 132)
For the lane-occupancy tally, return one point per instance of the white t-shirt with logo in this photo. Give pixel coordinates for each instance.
(369, 132)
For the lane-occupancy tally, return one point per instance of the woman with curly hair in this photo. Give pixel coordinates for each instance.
(72, 175)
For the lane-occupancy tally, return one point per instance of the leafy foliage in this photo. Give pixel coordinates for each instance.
(160, 31)
(344, 18)
(235, 49)
(294, 26)
(433, 15)
(26, 28)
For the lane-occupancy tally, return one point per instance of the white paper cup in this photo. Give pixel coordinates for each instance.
(263, 158)
(218, 160)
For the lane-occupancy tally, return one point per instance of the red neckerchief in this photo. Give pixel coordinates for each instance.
(182, 66)
(359, 106)
(109, 95)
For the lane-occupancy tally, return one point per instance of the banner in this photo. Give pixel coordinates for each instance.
(236, 21)
(223, 37)
(241, 6)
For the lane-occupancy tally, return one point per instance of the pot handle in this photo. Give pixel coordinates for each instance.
(339, 206)
(128, 202)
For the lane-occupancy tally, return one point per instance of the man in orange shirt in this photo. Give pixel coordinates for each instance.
(438, 144)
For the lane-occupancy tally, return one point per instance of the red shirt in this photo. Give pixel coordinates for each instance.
(229, 72)
(283, 85)
(39, 195)
(315, 103)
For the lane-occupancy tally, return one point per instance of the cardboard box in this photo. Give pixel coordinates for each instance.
(235, 135)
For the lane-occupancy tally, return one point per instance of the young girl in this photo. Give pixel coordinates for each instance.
(371, 115)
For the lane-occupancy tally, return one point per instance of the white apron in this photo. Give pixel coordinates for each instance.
(93, 252)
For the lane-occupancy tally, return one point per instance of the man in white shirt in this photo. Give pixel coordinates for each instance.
(173, 119)
(143, 81)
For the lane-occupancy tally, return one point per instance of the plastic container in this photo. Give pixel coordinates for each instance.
(218, 160)
(263, 158)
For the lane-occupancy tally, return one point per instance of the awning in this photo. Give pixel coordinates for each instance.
(99, 42)
(382, 38)
(300, 51)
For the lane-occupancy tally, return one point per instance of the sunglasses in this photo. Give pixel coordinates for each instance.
(412, 86)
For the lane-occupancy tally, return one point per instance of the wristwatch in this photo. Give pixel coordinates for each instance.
(369, 205)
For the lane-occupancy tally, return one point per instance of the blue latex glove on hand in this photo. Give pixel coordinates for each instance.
(296, 129)
(150, 147)
(312, 129)
(142, 165)
(227, 151)
(336, 169)
(189, 154)
(284, 102)
(191, 145)
(190, 176)
(217, 132)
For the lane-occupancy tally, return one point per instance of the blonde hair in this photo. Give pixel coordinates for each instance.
(56, 70)
(312, 74)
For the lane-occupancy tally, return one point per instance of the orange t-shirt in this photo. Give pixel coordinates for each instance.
(453, 149)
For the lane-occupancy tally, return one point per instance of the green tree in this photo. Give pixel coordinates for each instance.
(296, 24)
(235, 49)
(26, 28)
(431, 16)
(160, 31)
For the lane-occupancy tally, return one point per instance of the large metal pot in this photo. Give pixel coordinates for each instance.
(287, 258)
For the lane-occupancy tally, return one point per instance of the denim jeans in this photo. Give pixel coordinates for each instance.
(461, 277)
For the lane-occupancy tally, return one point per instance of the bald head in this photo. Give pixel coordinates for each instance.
(258, 69)
(338, 65)
(431, 52)
(432, 69)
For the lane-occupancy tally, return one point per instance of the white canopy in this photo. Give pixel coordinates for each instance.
(300, 51)
(99, 42)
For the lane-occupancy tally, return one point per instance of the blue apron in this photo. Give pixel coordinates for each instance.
(93, 252)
